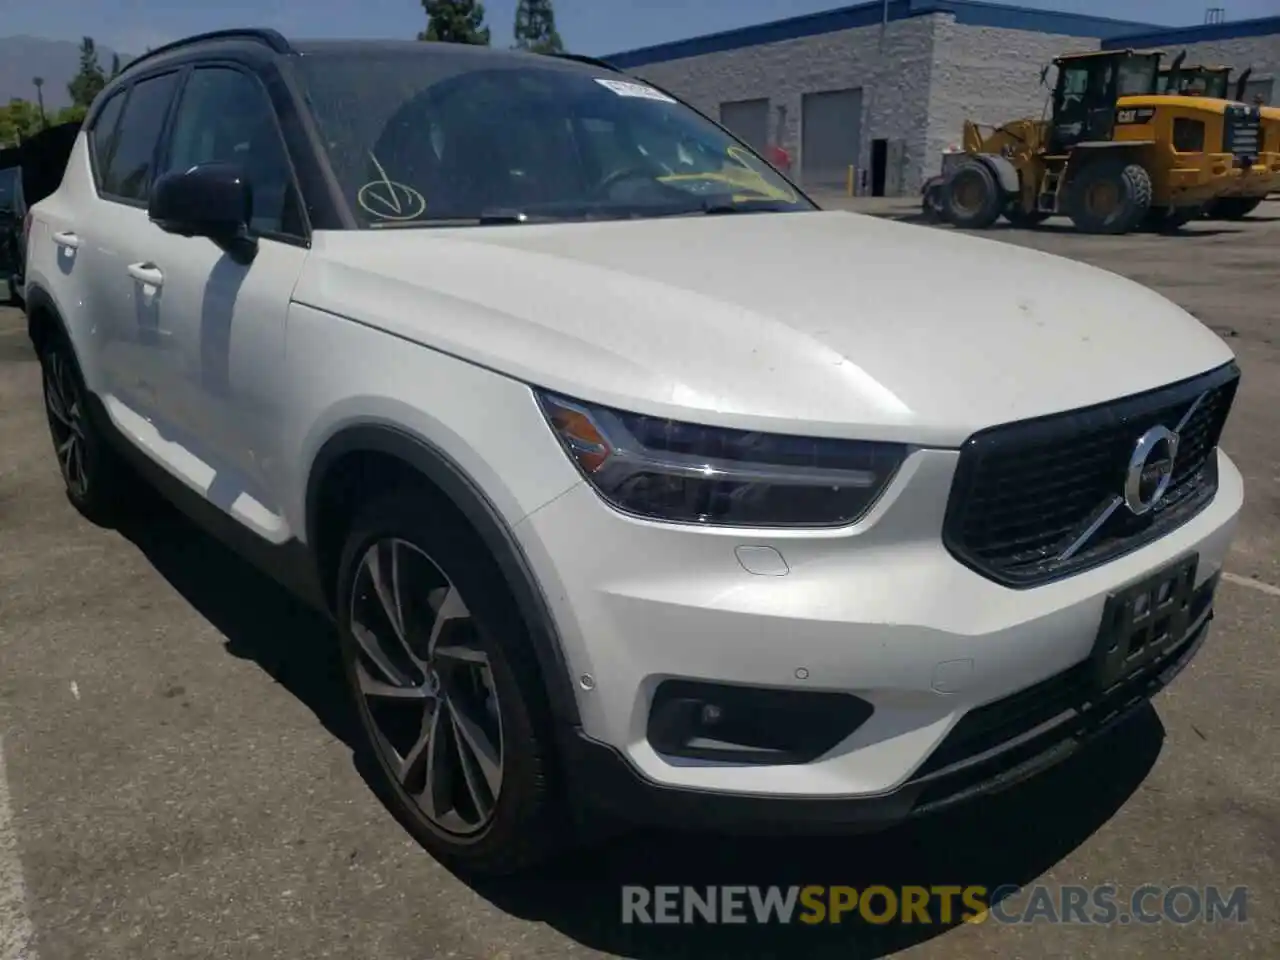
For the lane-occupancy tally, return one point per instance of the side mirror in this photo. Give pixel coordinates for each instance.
(213, 200)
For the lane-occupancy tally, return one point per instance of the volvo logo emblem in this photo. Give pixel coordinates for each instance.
(1150, 470)
(1147, 479)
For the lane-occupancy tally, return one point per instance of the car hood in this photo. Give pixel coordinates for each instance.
(831, 323)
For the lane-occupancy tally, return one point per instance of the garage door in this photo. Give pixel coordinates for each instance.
(831, 128)
(749, 120)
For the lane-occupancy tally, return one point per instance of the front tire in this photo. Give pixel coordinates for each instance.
(1110, 197)
(447, 688)
(932, 208)
(97, 482)
(972, 198)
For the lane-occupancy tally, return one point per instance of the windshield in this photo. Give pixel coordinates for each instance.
(436, 136)
(1193, 82)
(1137, 76)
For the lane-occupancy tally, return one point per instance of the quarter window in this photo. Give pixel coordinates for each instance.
(225, 116)
(131, 167)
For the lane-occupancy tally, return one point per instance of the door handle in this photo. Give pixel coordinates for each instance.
(147, 273)
(67, 239)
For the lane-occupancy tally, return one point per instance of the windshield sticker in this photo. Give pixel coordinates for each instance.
(625, 88)
(388, 200)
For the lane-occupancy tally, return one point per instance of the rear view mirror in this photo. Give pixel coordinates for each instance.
(213, 200)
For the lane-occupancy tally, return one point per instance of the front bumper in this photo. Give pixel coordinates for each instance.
(879, 610)
(1199, 177)
(1258, 180)
(1037, 729)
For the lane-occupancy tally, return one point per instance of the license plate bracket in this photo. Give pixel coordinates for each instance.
(1143, 622)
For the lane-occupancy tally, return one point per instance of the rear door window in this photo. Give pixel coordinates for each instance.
(129, 170)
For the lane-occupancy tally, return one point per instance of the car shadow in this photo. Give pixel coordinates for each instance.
(1008, 839)
(1003, 841)
(1062, 229)
(259, 620)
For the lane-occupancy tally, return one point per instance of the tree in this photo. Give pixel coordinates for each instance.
(115, 66)
(455, 21)
(72, 114)
(19, 119)
(536, 27)
(89, 80)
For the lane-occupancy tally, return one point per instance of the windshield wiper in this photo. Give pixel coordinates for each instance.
(502, 216)
(718, 207)
(487, 218)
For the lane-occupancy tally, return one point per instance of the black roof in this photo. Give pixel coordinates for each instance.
(266, 43)
(275, 42)
(411, 48)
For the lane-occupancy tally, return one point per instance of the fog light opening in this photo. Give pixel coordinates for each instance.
(750, 725)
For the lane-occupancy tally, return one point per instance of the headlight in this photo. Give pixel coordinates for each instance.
(666, 470)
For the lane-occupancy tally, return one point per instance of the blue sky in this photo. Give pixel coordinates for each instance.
(587, 26)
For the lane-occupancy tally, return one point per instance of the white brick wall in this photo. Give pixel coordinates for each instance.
(920, 78)
(893, 72)
(990, 75)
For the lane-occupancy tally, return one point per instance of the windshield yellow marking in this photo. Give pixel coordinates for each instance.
(741, 175)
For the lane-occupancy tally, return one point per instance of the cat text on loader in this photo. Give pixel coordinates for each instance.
(1244, 194)
(1112, 156)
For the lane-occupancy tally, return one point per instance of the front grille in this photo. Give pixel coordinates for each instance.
(992, 741)
(1024, 492)
(1242, 131)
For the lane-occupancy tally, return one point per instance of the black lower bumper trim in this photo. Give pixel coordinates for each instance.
(603, 781)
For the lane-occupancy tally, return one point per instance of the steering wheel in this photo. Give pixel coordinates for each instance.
(626, 173)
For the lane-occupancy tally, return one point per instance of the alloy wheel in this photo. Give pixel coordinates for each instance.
(65, 408)
(426, 686)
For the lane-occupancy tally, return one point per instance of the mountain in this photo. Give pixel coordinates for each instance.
(22, 58)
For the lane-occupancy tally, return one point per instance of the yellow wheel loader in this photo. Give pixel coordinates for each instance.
(1112, 154)
(1244, 195)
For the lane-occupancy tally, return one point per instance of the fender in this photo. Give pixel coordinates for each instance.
(1005, 172)
(436, 466)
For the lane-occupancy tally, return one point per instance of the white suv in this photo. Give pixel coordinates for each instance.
(633, 482)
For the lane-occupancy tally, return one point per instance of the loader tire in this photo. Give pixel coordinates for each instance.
(1232, 208)
(931, 202)
(972, 198)
(1111, 196)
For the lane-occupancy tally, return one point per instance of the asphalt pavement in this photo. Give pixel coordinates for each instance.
(178, 775)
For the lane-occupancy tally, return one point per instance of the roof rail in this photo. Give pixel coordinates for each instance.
(272, 38)
(589, 61)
